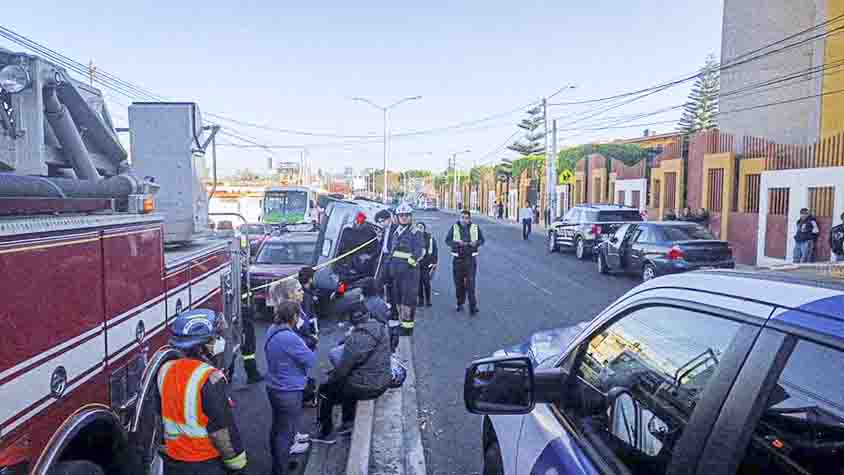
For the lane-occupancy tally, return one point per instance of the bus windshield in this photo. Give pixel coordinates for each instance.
(285, 207)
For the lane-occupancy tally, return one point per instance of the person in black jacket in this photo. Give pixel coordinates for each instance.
(805, 237)
(836, 241)
(426, 266)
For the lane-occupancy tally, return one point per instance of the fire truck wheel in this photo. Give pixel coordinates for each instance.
(76, 467)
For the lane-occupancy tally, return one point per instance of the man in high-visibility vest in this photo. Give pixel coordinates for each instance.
(200, 436)
(406, 249)
(464, 238)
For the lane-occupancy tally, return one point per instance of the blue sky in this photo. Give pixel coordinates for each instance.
(297, 66)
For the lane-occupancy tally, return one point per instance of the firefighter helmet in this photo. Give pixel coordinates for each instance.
(194, 328)
(404, 208)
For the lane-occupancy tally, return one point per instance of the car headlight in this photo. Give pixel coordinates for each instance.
(14, 78)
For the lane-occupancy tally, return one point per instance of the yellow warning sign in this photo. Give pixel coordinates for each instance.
(566, 177)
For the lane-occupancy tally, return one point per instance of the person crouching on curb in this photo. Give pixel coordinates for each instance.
(362, 372)
(288, 362)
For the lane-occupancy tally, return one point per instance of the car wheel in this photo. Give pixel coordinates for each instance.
(580, 249)
(602, 264)
(492, 460)
(648, 272)
(552, 242)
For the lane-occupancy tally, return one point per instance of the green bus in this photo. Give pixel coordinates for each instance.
(285, 205)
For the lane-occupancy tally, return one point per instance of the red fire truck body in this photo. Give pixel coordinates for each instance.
(89, 285)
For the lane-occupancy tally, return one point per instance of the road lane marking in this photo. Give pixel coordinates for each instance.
(536, 285)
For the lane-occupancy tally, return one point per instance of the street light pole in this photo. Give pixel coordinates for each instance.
(454, 169)
(384, 111)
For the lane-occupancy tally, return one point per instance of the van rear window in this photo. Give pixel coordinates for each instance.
(620, 215)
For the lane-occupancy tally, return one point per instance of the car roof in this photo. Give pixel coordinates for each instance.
(605, 207)
(819, 299)
(307, 236)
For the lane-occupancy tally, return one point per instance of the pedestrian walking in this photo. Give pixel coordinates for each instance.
(289, 360)
(500, 210)
(526, 216)
(465, 238)
(427, 265)
(836, 241)
(200, 436)
(805, 237)
(405, 250)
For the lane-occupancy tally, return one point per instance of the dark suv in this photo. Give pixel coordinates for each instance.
(583, 226)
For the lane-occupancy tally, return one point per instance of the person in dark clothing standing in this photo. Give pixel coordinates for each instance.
(250, 366)
(500, 210)
(464, 238)
(427, 265)
(405, 250)
(805, 237)
(836, 241)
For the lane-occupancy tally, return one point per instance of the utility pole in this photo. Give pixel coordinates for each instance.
(552, 183)
(548, 164)
(454, 180)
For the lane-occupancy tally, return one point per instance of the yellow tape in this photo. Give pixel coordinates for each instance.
(316, 268)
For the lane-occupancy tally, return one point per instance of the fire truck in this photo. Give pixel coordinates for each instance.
(97, 255)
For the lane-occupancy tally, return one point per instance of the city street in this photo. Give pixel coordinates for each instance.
(521, 289)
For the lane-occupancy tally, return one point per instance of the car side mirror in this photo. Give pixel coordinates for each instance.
(510, 385)
(499, 386)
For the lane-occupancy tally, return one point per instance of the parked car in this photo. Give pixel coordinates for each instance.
(280, 256)
(651, 249)
(712, 372)
(257, 233)
(583, 226)
(348, 225)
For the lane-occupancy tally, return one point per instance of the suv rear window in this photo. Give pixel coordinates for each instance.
(619, 215)
(686, 233)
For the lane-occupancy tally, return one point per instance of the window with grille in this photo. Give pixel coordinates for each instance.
(636, 198)
(715, 185)
(621, 197)
(671, 190)
(752, 184)
(778, 201)
(578, 191)
(822, 201)
(657, 191)
(612, 192)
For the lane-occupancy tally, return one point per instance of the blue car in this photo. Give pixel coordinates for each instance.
(709, 373)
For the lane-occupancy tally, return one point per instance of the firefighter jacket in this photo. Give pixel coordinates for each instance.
(194, 405)
(460, 238)
(404, 243)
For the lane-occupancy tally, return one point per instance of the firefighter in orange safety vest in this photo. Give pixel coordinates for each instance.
(200, 436)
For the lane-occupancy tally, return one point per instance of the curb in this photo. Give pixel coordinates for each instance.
(414, 453)
(361, 445)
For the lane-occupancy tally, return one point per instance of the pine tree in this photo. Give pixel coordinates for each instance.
(701, 109)
(534, 129)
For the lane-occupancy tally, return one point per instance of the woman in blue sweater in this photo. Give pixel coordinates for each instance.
(288, 362)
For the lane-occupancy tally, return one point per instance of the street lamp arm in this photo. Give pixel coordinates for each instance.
(363, 99)
(406, 99)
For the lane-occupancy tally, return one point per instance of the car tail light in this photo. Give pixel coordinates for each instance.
(596, 229)
(341, 288)
(676, 254)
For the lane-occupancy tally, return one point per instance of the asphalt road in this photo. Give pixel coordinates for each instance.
(521, 290)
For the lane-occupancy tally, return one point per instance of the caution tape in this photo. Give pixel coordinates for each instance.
(316, 268)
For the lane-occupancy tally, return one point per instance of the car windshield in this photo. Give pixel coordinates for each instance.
(686, 233)
(619, 215)
(277, 253)
(255, 229)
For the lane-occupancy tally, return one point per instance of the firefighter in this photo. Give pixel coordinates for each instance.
(250, 366)
(406, 249)
(200, 436)
(427, 265)
(464, 239)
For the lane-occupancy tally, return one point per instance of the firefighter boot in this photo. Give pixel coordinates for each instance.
(407, 323)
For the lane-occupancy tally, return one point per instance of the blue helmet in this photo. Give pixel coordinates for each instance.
(193, 328)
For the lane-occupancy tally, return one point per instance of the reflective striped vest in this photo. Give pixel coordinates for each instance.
(185, 423)
(458, 236)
